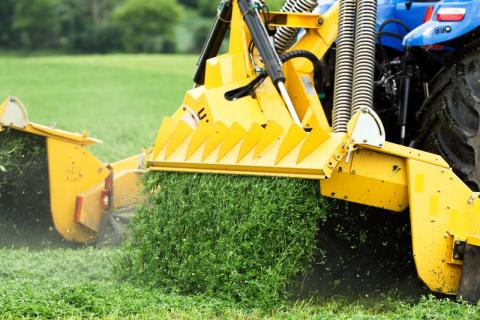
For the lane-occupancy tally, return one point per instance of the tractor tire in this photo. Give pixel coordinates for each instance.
(449, 120)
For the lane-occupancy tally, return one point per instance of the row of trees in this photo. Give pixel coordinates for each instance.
(94, 25)
(101, 26)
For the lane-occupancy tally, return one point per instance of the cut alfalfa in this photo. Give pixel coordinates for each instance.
(242, 239)
(261, 241)
(24, 190)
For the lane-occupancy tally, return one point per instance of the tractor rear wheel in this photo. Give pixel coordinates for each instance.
(449, 119)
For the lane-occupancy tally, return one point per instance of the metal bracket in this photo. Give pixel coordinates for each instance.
(366, 128)
(13, 114)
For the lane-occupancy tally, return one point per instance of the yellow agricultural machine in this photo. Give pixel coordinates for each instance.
(81, 188)
(255, 110)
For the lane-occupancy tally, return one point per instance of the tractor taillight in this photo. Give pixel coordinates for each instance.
(451, 14)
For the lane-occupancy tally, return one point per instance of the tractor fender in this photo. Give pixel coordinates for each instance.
(436, 32)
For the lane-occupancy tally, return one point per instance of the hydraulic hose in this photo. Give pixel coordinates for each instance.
(253, 85)
(284, 35)
(261, 40)
(344, 66)
(364, 60)
(270, 58)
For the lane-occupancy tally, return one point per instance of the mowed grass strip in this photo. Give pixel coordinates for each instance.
(80, 284)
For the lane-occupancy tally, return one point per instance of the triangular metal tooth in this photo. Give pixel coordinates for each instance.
(294, 136)
(272, 132)
(315, 138)
(250, 141)
(234, 135)
(164, 133)
(181, 132)
(219, 132)
(199, 136)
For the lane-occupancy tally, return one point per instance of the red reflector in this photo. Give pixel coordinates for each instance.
(78, 209)
(105, 199)
(451, 14)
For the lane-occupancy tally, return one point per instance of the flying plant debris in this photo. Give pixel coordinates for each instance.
(259, 241)
(24, 190)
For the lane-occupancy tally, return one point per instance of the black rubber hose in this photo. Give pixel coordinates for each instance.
(250, 88)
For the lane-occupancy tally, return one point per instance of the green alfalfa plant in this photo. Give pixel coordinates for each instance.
(241, 239)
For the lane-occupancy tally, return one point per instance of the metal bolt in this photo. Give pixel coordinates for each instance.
(320, 21)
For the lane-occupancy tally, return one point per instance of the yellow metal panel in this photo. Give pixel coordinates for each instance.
(134, 162)
(240, 160)
(271, 104)
(164, 133)
(234, 135)
(182, 131)
(200, 135)
(474, 240)
(126, 190)
(92, 210)
(243, 111)
(441, 206)
(410, 153)
(219, 132)
(313, 141)
(250, 141)
(271, 133)
(224, 69)
(370, 178)
(296, 20)
(72, 170)
(294, 136)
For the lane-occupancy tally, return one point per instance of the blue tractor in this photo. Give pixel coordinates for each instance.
(427, 86)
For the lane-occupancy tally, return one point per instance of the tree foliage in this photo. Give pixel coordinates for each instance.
(89, 25)
(146, 24)
(36, 23)
(102, 26)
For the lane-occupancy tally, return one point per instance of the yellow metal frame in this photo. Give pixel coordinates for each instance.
(73, 171)
(256, 136)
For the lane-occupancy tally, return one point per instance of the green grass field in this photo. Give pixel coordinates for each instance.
(121, 100)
